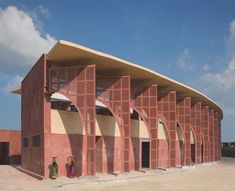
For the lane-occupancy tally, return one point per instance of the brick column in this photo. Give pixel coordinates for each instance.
(167, 108)
(78, 84)
(184, 118)
(145, 103)
(115, 94)
(216, 136)
(196, 126)
(205, 126)
(211, 135)
(219, 137)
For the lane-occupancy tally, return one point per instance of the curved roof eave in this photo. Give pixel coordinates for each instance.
(64, 50)
(75, 51)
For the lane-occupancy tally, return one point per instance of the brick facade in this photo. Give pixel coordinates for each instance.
(83, 85)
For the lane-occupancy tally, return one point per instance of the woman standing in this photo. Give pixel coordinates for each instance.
(54, 168)
(71, 162)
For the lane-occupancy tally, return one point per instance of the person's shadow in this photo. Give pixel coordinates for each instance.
(50, 169)
(67, 167)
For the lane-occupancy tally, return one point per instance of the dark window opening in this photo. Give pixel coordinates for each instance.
(103, 111)
(36, 141)
(134, 115)
(73, 108)
(25, 142)
(63, 105)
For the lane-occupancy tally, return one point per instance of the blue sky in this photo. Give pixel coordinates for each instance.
(190, 41)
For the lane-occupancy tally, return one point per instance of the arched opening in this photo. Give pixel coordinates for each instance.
(163, 145)
(108, 141)
(193, 147)
(67, 133)
(179, 145)
(140, 139)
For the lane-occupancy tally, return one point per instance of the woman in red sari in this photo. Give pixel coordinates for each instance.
(71, 162)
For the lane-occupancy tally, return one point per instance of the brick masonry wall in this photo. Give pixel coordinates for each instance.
(167, 109)
(14, 139)
(184, 119)
(32, 118)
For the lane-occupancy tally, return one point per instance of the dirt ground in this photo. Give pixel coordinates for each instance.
(220, 176)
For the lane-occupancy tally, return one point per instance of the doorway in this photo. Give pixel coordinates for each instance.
(202, 151)
(4, 152)
(145, 154)
(193, 153)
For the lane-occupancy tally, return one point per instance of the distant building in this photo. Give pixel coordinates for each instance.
(10, 147)
(112, 116)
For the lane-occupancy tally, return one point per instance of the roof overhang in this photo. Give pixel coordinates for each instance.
(65, 51)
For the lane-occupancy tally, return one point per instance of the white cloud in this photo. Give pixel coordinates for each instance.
(223, 82)
(14, 81)
(221, 85)
(21, 43)
(206, 67)
(184, 61)
(231, 38)
(44, 11)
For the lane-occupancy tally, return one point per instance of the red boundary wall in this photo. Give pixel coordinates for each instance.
(13, 137)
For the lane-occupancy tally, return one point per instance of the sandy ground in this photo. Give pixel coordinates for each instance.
(215, 177)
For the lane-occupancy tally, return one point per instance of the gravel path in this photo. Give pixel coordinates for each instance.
(216, 177)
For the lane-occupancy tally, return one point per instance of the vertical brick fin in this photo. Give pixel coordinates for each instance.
(167, 108)
(196, 121)
(145, 103)
(115, 94)
(219, 137)
(211, 135)
(33, 117)
(205, 126)
(184, 118)
(78, 84)
(216, 117)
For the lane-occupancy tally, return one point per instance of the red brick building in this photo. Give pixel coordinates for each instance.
(113, 116)
(10, 147)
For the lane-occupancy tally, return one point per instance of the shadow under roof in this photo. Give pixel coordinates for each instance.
(108, 64)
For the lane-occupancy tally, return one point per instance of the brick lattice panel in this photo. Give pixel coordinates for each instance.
(115, 94)
(145, 103)
(78, 84)
(216, 120)
(205, 126)
(211, 135)
(167, 108)
(183, 116)
(196, 121)
(219, 137)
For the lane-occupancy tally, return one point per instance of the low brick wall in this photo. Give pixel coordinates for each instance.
(13, 139)
(228, 151)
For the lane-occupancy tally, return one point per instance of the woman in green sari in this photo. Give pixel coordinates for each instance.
(54, 168)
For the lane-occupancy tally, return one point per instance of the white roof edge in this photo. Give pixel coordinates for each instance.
(133, 65)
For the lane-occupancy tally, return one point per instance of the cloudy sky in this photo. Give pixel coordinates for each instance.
(190, 41)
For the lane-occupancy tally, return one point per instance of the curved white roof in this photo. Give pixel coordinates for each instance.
(108, 64)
